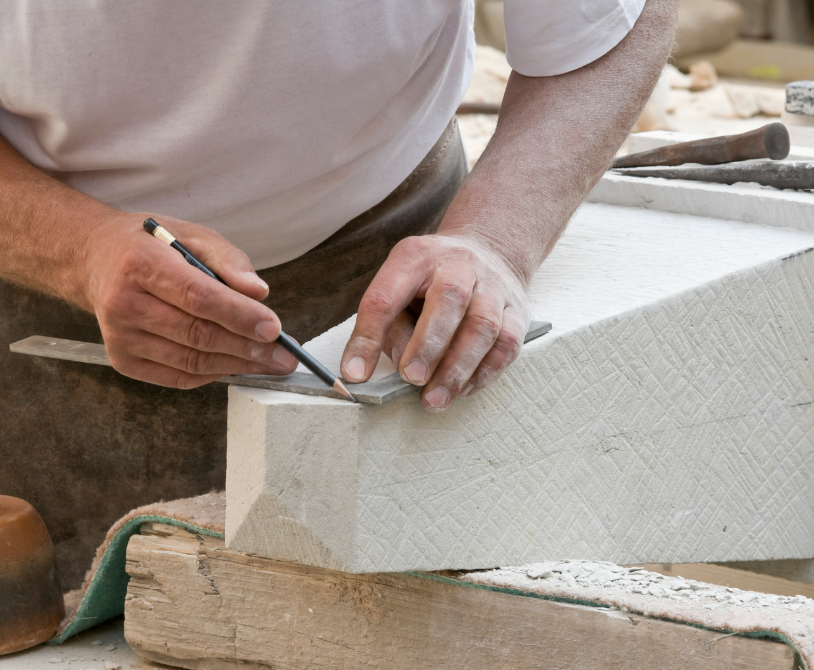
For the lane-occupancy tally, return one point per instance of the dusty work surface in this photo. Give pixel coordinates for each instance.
(102, 648)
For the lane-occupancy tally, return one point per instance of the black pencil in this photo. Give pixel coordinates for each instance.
(285, 341)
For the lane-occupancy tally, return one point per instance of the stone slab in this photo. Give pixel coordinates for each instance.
(748, 203)
(667, 417)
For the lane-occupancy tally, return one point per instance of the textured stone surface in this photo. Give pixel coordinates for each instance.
(666, 418)
(800, 98)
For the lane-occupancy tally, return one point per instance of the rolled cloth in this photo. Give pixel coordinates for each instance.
(85, 445)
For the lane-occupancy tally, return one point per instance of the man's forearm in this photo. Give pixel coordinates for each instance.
(554, 139)
(43, 228)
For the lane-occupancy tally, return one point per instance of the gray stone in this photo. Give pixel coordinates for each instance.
(800, 97)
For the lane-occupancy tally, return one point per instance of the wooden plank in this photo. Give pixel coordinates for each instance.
(194, 604)
(734, 577)
(373, 392)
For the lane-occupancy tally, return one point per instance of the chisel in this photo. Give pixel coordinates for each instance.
(798, 175)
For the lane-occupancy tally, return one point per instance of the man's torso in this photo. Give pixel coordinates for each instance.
(274, 123)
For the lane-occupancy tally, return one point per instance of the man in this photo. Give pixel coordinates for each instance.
(287, 145)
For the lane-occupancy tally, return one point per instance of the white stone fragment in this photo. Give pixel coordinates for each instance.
(667, 417)
(539, 571)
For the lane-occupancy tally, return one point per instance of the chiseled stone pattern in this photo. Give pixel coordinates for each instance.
(668, 417)
(800, 98)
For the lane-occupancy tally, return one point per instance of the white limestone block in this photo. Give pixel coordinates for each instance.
(667, 417)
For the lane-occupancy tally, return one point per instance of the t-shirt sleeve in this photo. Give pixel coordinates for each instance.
(549, 37)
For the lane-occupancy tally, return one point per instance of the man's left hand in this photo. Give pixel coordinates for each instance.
(449, 311)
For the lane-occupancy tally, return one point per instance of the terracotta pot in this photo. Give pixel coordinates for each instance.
(31, 605)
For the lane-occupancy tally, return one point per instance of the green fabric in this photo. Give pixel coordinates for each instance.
(104, 598)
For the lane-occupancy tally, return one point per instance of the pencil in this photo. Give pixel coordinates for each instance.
(285, 341)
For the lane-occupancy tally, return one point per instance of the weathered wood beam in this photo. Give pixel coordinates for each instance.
(193, 603)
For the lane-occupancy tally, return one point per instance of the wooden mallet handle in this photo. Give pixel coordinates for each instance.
(771, 141)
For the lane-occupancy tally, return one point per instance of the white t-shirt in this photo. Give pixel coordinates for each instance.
(274, 123)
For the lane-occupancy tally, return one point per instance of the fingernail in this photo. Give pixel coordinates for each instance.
(282, 358)
(355, 369)
(394, 356)
(267, 331)
(254, 279)
(415, 373)
(438, 398)
(467, 390)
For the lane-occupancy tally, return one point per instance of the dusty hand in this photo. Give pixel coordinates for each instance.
(168, 323)
(472, 317)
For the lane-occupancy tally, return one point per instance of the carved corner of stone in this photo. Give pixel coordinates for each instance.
(278, 452)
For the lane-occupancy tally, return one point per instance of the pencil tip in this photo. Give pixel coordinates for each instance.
(339, 386)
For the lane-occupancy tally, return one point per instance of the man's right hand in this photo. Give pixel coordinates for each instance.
(162, 320)
(166, 322)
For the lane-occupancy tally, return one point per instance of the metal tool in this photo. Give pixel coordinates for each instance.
(771, 141)
(798, 175)
(375, 392)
